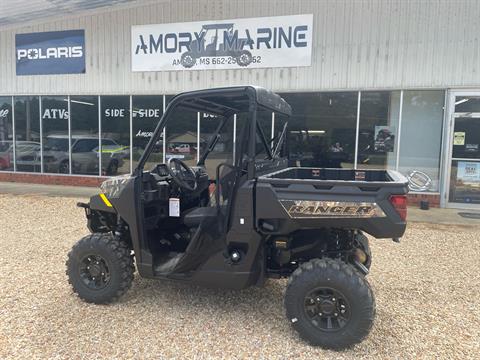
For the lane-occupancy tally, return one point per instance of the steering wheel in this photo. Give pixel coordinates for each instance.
(182, 175)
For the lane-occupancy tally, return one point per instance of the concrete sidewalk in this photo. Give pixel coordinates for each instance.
(47, 190)
(443, 216)
(432, 216)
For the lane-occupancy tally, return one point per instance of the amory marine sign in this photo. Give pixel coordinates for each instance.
(280, 41)
(53, 52)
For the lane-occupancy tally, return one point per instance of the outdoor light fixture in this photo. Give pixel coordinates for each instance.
(79, 102)
(461, 101)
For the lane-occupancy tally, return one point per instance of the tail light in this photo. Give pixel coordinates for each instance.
(399, 203)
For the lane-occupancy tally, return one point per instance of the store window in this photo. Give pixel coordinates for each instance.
(85, 141)
(54, 117)
(223, 149)
(279, 136)
(181, 134)
(378, 130)
(115, 137)
(467, 104)
(421, 138)
(27, 134)
(146, 113)
(322, 129)
(6, 134)
(264, 133)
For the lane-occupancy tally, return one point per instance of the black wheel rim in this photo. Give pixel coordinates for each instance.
(327, 309)
(94, 272)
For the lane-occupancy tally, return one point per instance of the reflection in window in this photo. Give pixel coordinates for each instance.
(27, 134)
(146, 113)
(182, 136)
(464, 187)
(115, 139)
(264, 134)
(6, 134)
(378, 132)
(279, 138)
(467, 104)
(322, 129)
(223, 149)
(465, 164)
(85, 143)
(421, 137)
(55, 134)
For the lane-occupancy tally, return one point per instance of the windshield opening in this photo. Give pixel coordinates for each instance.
(207, 138)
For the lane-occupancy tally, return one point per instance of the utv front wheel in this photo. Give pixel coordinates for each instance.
(100, 268)
(330, 304)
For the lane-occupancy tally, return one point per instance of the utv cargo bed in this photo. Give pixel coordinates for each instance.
(369, 200)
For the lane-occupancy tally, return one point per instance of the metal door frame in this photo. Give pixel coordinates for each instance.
(448, 146)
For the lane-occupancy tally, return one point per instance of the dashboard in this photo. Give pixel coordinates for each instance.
(159, 185)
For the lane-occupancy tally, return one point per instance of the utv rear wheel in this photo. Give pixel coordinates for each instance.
(100, 268)
(363, 245)
(330, 303)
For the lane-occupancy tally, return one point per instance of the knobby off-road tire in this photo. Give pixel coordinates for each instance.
(327, 288)
(100, 268)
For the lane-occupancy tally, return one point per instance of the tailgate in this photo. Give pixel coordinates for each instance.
(284, 205)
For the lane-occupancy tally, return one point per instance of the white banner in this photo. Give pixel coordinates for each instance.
(279, 41)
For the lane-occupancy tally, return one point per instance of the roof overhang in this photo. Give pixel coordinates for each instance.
(20, 13)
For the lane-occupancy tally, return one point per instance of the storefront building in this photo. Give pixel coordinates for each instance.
(372, 84)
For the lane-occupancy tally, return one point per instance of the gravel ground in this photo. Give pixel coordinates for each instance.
(427, 292)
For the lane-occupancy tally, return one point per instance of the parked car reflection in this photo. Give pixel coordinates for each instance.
(27, 156)
(6, 155)
(85, 154)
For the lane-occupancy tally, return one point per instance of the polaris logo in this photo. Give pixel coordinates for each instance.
(319, 209)
(50, 53)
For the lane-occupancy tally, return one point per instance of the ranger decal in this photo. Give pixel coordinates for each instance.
(336, 209)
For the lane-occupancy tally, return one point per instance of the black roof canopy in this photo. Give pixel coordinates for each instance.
(231, 100)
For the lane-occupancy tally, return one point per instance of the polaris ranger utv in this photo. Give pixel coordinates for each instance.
(253, 219)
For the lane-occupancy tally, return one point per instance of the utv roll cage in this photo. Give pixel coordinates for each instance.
(223, 102)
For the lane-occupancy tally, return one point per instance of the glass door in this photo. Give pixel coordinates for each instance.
(464, 182)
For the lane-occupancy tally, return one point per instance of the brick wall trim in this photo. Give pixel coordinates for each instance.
(52, 179)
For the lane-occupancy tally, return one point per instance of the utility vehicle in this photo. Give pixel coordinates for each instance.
(235, 48)
(263, 220)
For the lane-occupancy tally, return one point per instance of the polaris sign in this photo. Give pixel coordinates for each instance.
(55, 52)
(281, 41)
